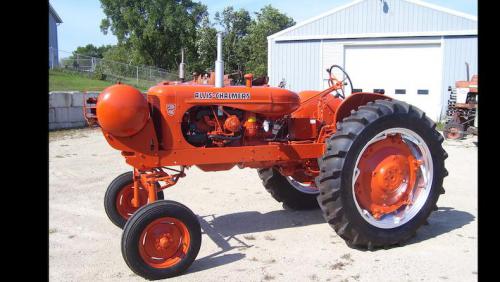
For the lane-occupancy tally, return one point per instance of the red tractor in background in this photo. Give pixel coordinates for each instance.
(462, 108)
(374, 165)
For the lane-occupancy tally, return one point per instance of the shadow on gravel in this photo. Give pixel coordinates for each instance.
(224, 230)
(442, 221)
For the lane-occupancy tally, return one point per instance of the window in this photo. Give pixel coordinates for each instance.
(357, 90)
(380, 91)
(423, 91)
(400, 91)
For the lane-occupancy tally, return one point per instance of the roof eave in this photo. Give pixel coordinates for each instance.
(472, 32)
(54, 13)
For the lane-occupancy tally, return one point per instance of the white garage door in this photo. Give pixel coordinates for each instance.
(411, 73)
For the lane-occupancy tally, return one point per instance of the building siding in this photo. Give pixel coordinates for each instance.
(53, 40)
(298, 63)
(302, 63)
(307, 71)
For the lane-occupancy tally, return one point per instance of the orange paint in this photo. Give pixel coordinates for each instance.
(125, 200)
(248, 79)
(122, 110)
(150, 131)
(164, 242)
(387, 176)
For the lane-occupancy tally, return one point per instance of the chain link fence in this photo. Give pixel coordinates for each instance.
(97, 68)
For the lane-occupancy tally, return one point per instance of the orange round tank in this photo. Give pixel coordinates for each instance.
(122, 110)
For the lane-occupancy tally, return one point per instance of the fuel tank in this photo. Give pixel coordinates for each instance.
(309, 106)
(264, 100)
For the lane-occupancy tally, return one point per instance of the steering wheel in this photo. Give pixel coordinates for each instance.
(332, 80)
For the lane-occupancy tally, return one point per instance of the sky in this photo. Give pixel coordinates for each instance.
(81, 19)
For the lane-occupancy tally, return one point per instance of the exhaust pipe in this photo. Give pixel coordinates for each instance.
(182, 66)
(467, 70)
(219, 63)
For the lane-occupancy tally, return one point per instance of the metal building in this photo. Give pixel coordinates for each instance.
(54, 20)
(411, 49)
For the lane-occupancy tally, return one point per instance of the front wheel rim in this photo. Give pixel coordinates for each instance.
(164, 242)
(124, 199)
(392, 178)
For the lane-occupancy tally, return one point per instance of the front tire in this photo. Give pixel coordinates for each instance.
(118, 197)
(373, 186)
(161, 240)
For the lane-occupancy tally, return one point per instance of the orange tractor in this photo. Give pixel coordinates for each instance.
(374, 165)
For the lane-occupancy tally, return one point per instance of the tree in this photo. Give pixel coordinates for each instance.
(119, 53)
(91, 50)
(154, 30)
(235, 25)
(206, 47)
(269, 21)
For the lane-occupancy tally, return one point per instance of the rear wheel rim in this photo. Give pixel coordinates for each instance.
(392, 178)
(164, 242)
(304, 187)
(124, 200)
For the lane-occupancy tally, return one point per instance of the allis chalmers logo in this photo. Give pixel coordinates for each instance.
(221, 95)
(171, 109)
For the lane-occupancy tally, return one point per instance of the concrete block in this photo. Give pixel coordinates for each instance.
(52, 115)
(53, 125)
(64, 125)
(93, 94)
(61, 115)
(76, 99)
(75, 114)
(59, 100)
(78, 124)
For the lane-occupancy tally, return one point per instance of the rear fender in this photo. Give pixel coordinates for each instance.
(354, 101)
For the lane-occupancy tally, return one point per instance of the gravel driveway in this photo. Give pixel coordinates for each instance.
(247, 236)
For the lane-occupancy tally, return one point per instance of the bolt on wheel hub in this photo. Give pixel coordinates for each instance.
(164, 242)
(390, 174)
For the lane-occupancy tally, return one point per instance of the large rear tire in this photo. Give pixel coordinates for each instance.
(292, 194)
(368, 192)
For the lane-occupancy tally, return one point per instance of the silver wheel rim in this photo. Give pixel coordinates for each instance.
(304, 188)
(419, 194)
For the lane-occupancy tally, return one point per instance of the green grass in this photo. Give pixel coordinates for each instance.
(440, 126)
(65, 81)
(60, 80)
